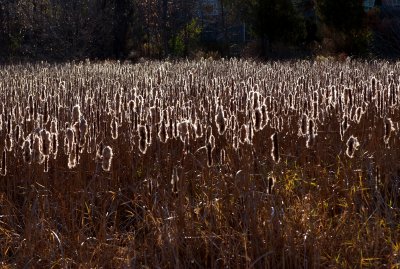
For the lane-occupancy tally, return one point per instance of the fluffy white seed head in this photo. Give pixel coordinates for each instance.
(352, 146)
(107, 155)
(76, 113)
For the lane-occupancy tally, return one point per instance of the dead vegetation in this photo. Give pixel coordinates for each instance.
(205, 164)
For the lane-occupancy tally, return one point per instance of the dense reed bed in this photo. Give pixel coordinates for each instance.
(207, 164)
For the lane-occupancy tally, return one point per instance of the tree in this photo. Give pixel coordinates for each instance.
(272, 21)
(343, 23)
(342, 15)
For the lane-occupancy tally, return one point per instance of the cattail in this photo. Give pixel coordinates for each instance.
(72, 160)
(352, 145)
(43, 93)
(76, 113)
(220, 121)
(46, 164)
(211, 140)
(77, 133)
(235, 142)
(114, 128)
(83, 130)
(162, 133)
(275, 148)
(256, 100)
(264, 114)
(46, 112)
(250, 133)
(209, 149)
(30, 108)
(199, 128)
(99, 151)
(4, 163)
(9, 142)
(107, 155)
(46, 142)
(70, 137)
(37, 155)
(222, 157)
(373, 84)
(117, 103)
(311, 133)
(149, 134)
(388, 130)
(304, 125)
(243, 133)
(257, 118)
(358, 114)
(19, 135)
(27, 152)
(175, 131)
(9, 124)
(142, 139)
(345, 123)
(183, 128)
(175, 180)
(271, 183)
(54, 145)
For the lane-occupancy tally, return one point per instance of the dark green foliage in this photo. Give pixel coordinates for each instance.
(186, 39)
(343, 22)
(342, 15)
(278, 21)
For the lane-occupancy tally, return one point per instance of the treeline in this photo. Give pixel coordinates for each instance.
(131, 29)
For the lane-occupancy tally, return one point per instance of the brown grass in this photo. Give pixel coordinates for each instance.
(191, 185)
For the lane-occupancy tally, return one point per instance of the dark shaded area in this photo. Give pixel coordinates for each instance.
(56, 30)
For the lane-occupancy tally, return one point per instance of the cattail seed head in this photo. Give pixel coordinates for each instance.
(211, 140)
(352, 146)
(250, 133)
(4, 163)
(142, 139)
(83, 130)
(199, 128)
(271, 184)
(54, 146)
(114, 128)
(37, 155)
(209, 150)
(235, 142)
(46, 142)
(275, 148)
(389, 128)
(183, 128)
(311, 133)
(243, 133)
(304, 125)
(69, 135)
(162, 133)
(257, 119)
(31, 104)
(358, 114)
(72, 160)
(107, 156)
(9, 143)
(220, 120)
(175, 180)
(27, 152)
(54, 126)
(76, 113)
(149, 134)
(46, 164)
(222, 157)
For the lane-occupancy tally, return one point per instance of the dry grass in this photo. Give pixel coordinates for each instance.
(206, 164)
